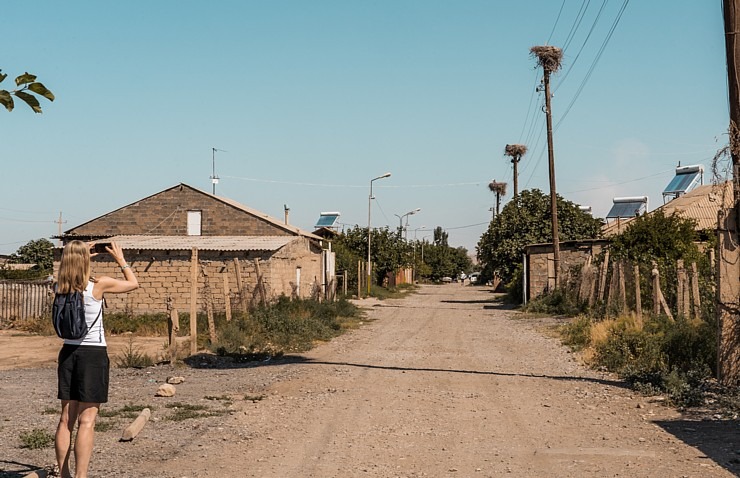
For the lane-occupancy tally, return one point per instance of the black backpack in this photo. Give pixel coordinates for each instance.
(68, 316)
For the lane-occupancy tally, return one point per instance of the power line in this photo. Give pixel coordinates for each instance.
(295, 183)
(575, 60)
(556, 22)
(593, 65)
(576, 24)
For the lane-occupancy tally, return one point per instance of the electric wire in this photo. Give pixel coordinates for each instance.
(583, 45)
(593, 64)
(576, 24)
(556, 22)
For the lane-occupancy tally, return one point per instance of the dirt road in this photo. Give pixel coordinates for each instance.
(444, 383)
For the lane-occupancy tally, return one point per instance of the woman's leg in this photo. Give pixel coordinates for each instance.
(63, 438)
(87, 412)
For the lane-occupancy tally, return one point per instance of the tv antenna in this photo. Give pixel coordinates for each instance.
(214, 178)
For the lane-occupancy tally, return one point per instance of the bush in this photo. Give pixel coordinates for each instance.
(577, 334)
(36, 438)
(558, 302)
(132, 357)
(661, 357)
(286, 326)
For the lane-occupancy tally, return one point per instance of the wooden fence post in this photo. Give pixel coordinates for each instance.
(173, 328)
(360, 275)
(602, 276)
(227, 297)
(193, 301)
(240, 285)
(260, 282)
(682, 290)
(612, 287)
(658, 299)
(695, 290)
(638, 297)
(622, 287)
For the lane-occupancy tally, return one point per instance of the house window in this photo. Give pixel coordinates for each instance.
(194, 221)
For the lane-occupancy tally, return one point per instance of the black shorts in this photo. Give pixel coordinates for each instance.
(83, 373)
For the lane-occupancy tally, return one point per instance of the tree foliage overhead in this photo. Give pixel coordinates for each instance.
(25, 85)
(526, 220)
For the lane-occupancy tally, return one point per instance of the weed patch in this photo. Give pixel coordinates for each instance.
(285, 326)
(133, 357)
(184, 411)
(36, 438)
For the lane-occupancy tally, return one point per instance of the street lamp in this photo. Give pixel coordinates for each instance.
(369, 204)
(400, 220)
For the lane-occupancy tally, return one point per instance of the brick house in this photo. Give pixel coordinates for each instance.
(182, 233)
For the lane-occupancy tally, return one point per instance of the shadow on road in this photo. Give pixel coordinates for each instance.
(718, 440)
(208, 361)
(19, 469)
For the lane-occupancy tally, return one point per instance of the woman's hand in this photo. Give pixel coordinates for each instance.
(115, 250)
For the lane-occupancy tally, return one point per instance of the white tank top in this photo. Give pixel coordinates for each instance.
(93, 307)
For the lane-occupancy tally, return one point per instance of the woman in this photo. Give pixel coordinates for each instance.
(83, 364)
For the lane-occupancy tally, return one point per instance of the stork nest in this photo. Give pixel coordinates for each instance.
(515, 150)
(497, 187)
(548, 57)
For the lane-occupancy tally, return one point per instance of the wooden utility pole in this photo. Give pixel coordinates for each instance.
(549, 58)
(515, 151)
(194, 301)
(728, 265)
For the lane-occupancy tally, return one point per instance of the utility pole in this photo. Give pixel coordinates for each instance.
(728, 273)
(515, 152)
(214, 178)
(59, 228)
(549, 58)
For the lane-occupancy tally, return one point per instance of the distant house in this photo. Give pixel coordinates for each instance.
(233, 251)
(702, 204)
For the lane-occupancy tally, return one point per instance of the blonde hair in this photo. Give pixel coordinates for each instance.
(74, 268)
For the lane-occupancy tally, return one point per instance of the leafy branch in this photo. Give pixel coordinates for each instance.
(26, 84)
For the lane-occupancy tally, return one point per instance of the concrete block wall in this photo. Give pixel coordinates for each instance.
(167, 274)
(301, 253)
(540, 270)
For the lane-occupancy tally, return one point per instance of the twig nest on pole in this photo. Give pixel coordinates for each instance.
(548, 57)
(515, 150)
(497, 187)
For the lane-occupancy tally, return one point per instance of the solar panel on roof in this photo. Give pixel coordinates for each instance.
(327, 220)
(626, 209)
(682, 182)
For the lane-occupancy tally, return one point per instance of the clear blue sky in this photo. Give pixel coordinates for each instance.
(311, 100)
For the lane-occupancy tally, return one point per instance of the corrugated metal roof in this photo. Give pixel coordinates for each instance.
(205, 243)
(701, 204)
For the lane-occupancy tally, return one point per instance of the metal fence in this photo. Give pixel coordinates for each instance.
(22, 300)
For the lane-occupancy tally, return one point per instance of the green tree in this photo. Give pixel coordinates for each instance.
(526, 220)
(39, 252)
(25, 85)
(656, 236)
(389, 252)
